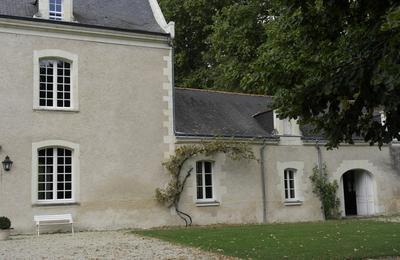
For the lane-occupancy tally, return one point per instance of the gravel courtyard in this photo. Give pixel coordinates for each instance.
(96, 245)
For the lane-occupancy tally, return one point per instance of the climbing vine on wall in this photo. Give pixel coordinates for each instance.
(170, 195)
(326, 192)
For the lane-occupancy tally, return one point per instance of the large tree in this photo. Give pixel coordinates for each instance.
(335, 64)
(194, 19)
(331, 63)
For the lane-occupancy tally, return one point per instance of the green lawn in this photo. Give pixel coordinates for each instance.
(323, 240)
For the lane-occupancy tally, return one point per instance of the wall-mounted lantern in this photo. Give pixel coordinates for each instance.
(7, 163)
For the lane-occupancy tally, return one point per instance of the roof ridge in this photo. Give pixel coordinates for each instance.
(224, 92)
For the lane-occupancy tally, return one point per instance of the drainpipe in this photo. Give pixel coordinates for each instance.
(263, 182)
(319, 155)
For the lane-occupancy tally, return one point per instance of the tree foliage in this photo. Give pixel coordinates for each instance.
(331, 63)
(193, 20)
(335, 64)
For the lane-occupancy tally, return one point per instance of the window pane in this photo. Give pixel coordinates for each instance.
(199, 167)
(68, 177)
(208, 178)
(68, 195)
(292, 194)
(49, 195)
(207, 167)
(292, 184)
(208, 192)
(199, 192)
(41, 186)
(68, 160)
(49, 160)
(60, 195)
(49, 177)
(286, 194)
(199, 179)
(49, 152)
(41, 178)
(41, 196)
(60, 160)
(68, 186)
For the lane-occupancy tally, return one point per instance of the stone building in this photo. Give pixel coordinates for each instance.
(88, 112)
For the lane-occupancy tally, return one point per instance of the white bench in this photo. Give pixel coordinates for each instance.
(64, 219)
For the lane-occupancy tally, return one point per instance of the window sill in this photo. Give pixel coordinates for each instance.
(207, 204)
(293, 203)
(70, 110)
(55, 204)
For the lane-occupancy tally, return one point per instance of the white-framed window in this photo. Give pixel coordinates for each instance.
(55, 80)
(204, 181)
(55, 83)
(55, 172)
(56, 10)
(289, 184)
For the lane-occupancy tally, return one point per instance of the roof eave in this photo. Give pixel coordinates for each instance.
(234, 136)
(75, 24)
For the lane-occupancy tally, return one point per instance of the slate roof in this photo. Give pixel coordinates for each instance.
(133, 15)
(222, 114)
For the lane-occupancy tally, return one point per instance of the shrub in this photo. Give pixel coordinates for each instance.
(326, 192)
(5, 223)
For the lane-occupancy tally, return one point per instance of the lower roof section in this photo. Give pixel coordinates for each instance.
(204, 113)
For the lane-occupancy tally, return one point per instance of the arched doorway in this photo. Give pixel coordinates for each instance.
(358, 193)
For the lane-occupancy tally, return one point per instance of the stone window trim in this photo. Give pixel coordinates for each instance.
(53, 54)
(291, 187)
(36, 147)
(298, 168)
